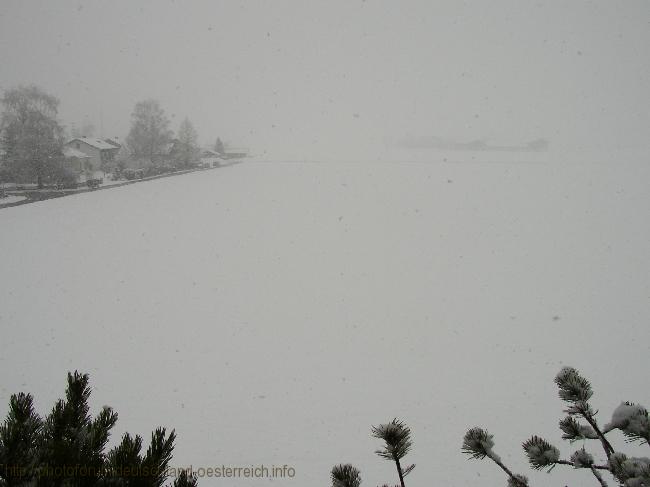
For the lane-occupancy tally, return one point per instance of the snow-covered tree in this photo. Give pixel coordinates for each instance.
(32, 137)
(219, 147)
(150, 133)
(579, 424)
(187, 149)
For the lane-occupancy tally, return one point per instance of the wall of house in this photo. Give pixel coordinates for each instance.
(89, 150)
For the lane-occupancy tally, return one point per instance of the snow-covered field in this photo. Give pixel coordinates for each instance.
(273, 312)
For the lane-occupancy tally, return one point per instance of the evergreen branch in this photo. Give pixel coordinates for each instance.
(633, 420)
(408, 470)
(630, 471)
(582, 459)
(345, 476)
(573, 387)
(518, 480)
(397, 438)
(478, 443)
(185, 480)
(541, 453)
(598, 476)
(514, 480)
(607, 446)
(577, 390)
(159, 455)
(575, 431)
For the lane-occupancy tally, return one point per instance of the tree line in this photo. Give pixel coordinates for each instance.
(32, 138)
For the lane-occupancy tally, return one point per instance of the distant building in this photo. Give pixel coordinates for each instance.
(165, 156)
(210, 158)
(235, 153)
(102, 153)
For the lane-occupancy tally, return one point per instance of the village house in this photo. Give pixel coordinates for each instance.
(235, 153)
(101, 153)
(210, 158)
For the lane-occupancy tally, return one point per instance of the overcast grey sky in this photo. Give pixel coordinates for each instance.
(320, 79)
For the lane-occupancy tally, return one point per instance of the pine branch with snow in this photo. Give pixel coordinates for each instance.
(541, 453)
(576, 390)
(575, 431)
(632, 419)
(582, 459)
(397, 443)
(630, 471)
(479, 444)
(518, 480)
(185, 479)
(345, 476)
(572, 386)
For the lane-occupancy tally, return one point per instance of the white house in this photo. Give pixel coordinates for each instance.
(101, 153)
(210, 158)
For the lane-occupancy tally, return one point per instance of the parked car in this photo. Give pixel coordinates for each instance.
(131, 174)
(66, 184)
(94, 183)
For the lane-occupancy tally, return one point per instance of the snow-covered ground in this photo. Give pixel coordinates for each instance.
(272, 312)
(11, 199)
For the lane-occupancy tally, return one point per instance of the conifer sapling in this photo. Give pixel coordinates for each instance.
(397, 443)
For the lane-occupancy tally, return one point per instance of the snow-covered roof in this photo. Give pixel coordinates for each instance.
(210, 153)
(93, 142)
(72, 152)
(113, 142)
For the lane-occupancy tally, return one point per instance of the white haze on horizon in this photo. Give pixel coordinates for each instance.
(343, 80)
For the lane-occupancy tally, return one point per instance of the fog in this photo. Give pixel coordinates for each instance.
(272, 313)
(343, 80)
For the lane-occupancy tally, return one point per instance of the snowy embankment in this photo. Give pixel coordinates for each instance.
(11, 199)
(273, 312)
